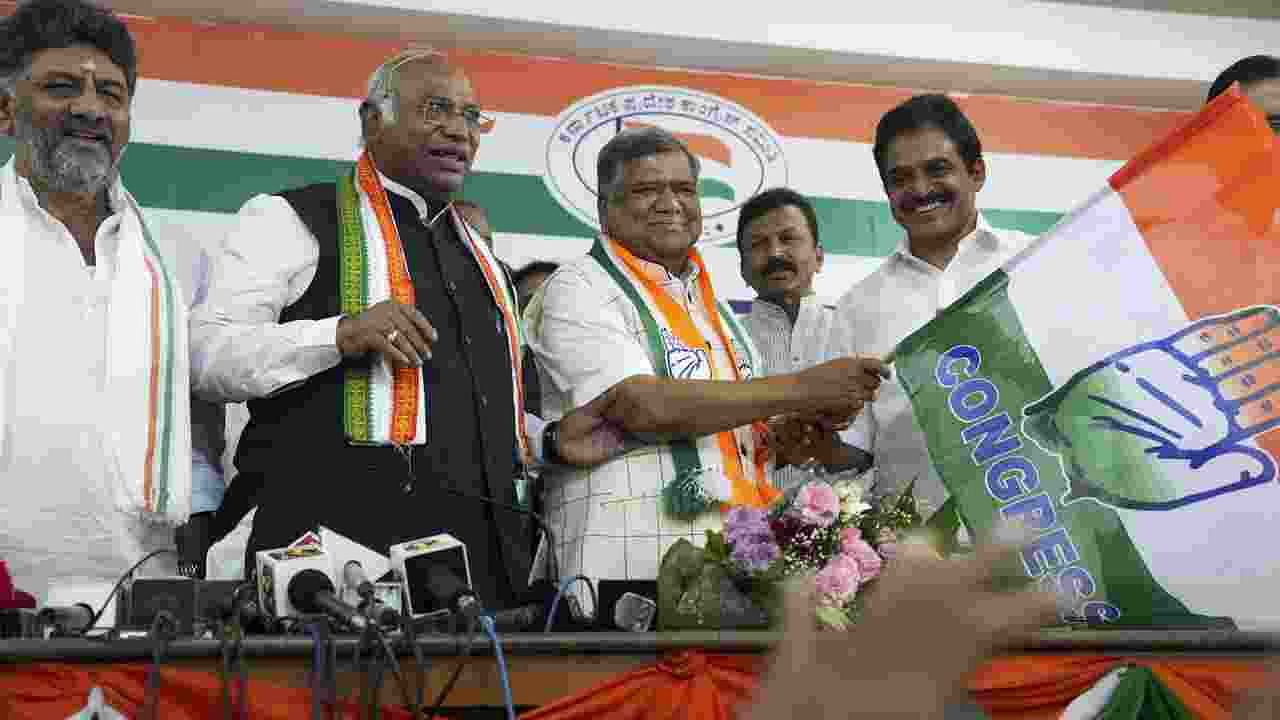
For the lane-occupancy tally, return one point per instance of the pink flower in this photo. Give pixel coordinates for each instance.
(817, 504)
(852, 545)
(837, 583)
(888, 542)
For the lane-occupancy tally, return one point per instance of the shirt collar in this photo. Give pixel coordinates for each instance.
(419, 203)
(763, 305)
(983, 233)
(658, 273)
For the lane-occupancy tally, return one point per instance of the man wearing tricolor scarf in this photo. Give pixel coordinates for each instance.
(95, 443)
(376, 340)
(638, 319)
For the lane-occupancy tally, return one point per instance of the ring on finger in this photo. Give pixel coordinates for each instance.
(391, 336)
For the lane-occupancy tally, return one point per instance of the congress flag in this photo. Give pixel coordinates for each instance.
(1116, 386)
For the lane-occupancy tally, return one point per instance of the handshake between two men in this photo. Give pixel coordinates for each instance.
(805, 409)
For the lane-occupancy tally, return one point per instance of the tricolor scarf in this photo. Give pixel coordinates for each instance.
(382, 406)
(709, 470)
(147, 387)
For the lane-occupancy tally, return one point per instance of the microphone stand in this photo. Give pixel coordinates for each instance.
(231, 649)
(411, 634)
(323, 669)
(162, 630)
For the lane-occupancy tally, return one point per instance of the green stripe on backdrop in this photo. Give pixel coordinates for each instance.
(179, 178)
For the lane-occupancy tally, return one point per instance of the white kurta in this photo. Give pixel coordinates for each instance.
(61, 534)
(588, 337)
(876, 314)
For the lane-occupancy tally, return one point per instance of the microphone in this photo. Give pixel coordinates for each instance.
(634, 612)
(241, 608)
(67, 619)
(381, 615)
(451, 592)
(519, 619)
(532, 616)
(435, 575)
(353, 576)
(312, 592)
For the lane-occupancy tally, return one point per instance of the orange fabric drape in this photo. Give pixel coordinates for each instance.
(687, 684)
(1041, 686)
(53, 690)
(697, 686)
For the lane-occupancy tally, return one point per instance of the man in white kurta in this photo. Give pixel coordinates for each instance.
(930, 159)
(95, 454)
(639, 314)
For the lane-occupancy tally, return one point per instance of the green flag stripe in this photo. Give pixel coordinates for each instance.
(710, 187)
(178, 178)
(684, 454)
(994, 469)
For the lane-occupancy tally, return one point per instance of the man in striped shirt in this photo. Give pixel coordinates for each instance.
(788, 322)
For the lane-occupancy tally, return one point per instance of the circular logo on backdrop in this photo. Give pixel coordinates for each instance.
(740, 154)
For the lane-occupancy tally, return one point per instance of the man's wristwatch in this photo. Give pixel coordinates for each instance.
(550, 444)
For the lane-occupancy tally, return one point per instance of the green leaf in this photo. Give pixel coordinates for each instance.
(942, 527)
(832, 618)
(717, 549)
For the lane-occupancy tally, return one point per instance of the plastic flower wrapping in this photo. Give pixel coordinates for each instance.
(829, 527)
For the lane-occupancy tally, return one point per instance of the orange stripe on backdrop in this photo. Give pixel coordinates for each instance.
(338, 65)
(1207, 202)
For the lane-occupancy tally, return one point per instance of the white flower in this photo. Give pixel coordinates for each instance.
(849, 489)
(853, 506)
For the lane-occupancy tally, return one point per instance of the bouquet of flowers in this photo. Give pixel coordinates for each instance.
(828, 527)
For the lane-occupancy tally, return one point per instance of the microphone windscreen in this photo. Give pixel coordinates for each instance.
(303, 588)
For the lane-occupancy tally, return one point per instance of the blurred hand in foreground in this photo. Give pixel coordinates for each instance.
(927, 624)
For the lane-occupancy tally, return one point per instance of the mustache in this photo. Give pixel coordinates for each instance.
(778, 263)
(912, 202)
(79, 123)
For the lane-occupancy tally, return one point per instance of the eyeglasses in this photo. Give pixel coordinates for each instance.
(437, 111)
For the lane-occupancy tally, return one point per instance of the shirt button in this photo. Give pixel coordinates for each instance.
(466, 340)
(484, 401)
(453, 286)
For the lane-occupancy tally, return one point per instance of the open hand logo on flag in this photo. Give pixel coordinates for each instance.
(686, 363)
(1168, 423)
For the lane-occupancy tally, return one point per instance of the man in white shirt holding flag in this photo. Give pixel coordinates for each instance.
(930, 161)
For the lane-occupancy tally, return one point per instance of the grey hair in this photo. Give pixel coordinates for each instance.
(383, 87)
(632, 144)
